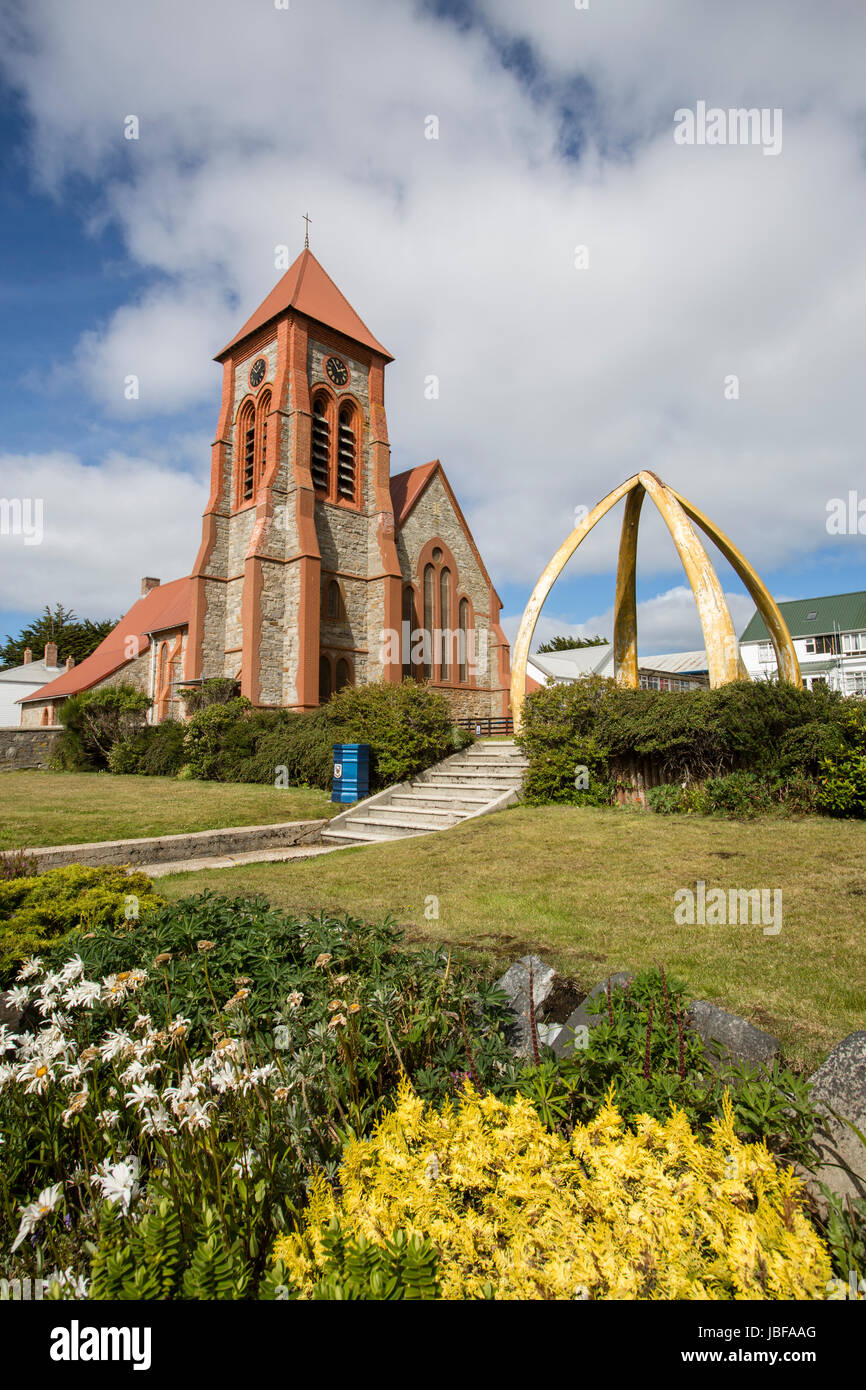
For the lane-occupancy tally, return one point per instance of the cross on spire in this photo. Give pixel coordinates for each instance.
(307, 219)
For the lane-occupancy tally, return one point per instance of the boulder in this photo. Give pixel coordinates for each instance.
(586, 1014)
(515, 983)
(839, 1085)
(740, 1041)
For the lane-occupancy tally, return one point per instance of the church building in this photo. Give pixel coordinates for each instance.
(317, 568)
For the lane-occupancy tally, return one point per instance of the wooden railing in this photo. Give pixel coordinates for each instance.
(487, 728)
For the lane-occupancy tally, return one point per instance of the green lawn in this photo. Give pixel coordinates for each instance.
(592, 891)
(67, 808)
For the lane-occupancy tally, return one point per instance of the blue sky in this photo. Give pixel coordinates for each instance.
(556, 383)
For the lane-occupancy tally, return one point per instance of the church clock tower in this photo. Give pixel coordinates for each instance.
(298, 574)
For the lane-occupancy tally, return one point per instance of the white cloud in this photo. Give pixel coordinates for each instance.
(103, 529)
(668, 622)
(556, 383)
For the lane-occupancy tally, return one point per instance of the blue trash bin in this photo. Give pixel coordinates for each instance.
(351, 771)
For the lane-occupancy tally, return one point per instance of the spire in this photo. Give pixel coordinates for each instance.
(308, 290)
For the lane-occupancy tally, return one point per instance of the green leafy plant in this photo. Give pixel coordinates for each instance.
(36, 912)
(94, 720)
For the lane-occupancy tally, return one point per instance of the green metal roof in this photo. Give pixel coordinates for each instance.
(834, 612)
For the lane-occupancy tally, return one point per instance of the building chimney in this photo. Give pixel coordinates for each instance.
(70, 662)
(28, 656)
(148, 584)
(50, 653)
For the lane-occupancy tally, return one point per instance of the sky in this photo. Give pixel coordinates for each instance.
(593, 295)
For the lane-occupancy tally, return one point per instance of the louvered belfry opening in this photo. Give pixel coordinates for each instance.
(264, 408)
(346, 455)
(321, 446)
(248, 445)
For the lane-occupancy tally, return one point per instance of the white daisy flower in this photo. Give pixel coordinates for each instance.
(19, 997)
(116, 1044)
(196, 1116)
(72, 969)
(119, 1181)
(35, 1212)
(143, 1094)
(82, 995)
(35, 1076)
(30, 969)
(156, 1120)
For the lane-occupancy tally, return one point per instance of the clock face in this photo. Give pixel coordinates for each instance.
(257, 371)
(337, 371)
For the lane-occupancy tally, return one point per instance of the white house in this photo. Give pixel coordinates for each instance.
(673, 671)
(25, 680)
(829, 637)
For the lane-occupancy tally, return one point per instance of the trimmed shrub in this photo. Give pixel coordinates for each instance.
(408, 727)
(772, 733)
(218, 737)
(517, 1212)
(157, 750)
(219, 690)
(94, 720)
(842, 785)
(740, 795)
(36, 911)
(558, 737)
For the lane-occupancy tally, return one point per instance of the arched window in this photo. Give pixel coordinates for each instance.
(344, 673)
(429, 620)
(346, 454)
(263, 410)
(324, 679)
(463, 666)
(320, 459)
(247, 448)
(408, 629)
(334, 607)
(445, 623)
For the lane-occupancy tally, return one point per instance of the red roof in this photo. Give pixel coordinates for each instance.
(166, 606)
(306, 288)
(407, 487)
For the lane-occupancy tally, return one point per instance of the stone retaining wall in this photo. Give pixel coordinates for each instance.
(171, 849)
(21, 748)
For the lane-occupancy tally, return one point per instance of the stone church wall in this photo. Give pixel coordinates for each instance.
(433, 516)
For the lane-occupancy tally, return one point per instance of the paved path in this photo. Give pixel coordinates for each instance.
(230, 861)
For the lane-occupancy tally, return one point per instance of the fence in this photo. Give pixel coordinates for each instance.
(487, 728)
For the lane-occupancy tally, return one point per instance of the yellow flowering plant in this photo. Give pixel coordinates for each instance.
(515, 1211)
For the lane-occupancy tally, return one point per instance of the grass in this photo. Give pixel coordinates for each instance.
(592, 891)
(68, 808)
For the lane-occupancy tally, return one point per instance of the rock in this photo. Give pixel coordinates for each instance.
(585, 1016)
(515, 983)
(840, 1084)
(740, 1041)
(18, 1020)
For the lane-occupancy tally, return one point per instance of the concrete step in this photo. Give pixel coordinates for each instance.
(470, 777)
(403, 818)
(506, 769)
(356, 831)
(492, 789)
(416, 806)
(441, 800)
